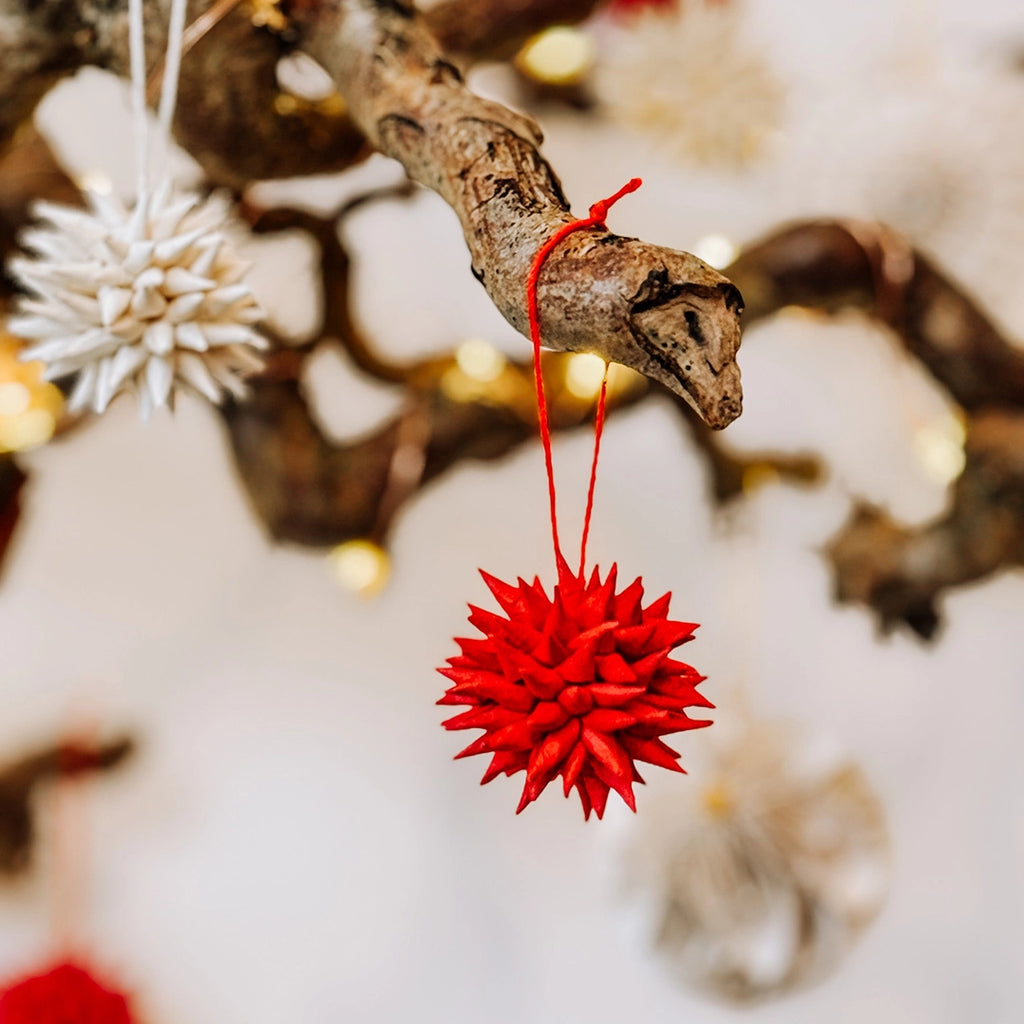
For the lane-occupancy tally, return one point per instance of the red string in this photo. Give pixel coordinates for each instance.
(596, 218)
(598, 428)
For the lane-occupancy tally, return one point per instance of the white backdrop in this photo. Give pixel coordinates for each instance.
(295, 844)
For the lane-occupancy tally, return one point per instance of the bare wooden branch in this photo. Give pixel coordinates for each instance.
(661, 312)
(497, 28)
(834, 265)
(18, 783)
(12, 479)
(901, 571)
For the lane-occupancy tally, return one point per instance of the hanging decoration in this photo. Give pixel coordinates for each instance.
(687, 79)
(580, 684)
(758, 877)
(66, 993)
(149, 298)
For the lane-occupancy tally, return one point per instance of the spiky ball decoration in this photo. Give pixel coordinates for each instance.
(145, 299)
(579, 685)
(64, 994)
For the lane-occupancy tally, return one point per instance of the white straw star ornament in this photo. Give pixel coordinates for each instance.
(146, 299)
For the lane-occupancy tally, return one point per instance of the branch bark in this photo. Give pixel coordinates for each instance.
(659, 311)
(901, 571)
(835, 265)
(19, 781)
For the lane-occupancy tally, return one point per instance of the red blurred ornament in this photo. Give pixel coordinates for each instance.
(580, 684)
(64, 994)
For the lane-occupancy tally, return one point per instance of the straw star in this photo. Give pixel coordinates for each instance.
(147, 299)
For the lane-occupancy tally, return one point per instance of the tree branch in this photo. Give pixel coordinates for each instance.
(661, 312)
(900, 571)
(19, 781)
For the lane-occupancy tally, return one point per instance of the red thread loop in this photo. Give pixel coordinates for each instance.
(597, 216)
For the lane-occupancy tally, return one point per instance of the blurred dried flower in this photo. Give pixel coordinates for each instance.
(688, 78)
(758, 879)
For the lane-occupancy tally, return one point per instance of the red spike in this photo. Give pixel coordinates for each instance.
(612, 668)
(672, 634)
(548, 714)
(627, 604)
(612, 695)
(633, 641)
(491, 717)
(509, 597)
(502, 761)
(592, 636)
(518, 736)
(488, 622)
(579, 666)
(606, 720)
(608, 752)
(482, 745)
(584, 799)
(648, 665)
(455, 699)
(546, 757)
(598, 793)
(573, 766)
(653, 751)
(658, 609)
(478, 650)
(622, 786)
(525, 800)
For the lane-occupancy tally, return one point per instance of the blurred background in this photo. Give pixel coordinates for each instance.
(291, 840)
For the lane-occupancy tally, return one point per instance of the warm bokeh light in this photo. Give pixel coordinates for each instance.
(561, 55)
(939, 447)
(715, 250)
(29, 406)
(479, 360)
(361, 566)
(583, 375)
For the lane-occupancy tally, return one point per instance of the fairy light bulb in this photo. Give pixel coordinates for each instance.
(716, 251)
(29, 406)
(560, 55)
(479, 360)
(939, 447)
(583, 375)
(361, 566)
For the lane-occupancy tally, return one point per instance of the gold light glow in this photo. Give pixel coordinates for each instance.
(95, 181)
(715, 250)
(583, 375)
(560, 55)
(718, 799)
(479, 361)
(939, 447)
(361, 566)
(29, 406)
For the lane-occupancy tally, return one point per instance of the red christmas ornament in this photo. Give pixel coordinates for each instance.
(65, 994)
(580, 684)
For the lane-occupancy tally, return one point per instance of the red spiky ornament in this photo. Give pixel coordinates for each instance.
(580, 684)
(66, 993)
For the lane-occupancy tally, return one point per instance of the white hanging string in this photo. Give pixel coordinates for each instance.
(140, 127)
(172, 66)
(169, 88)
